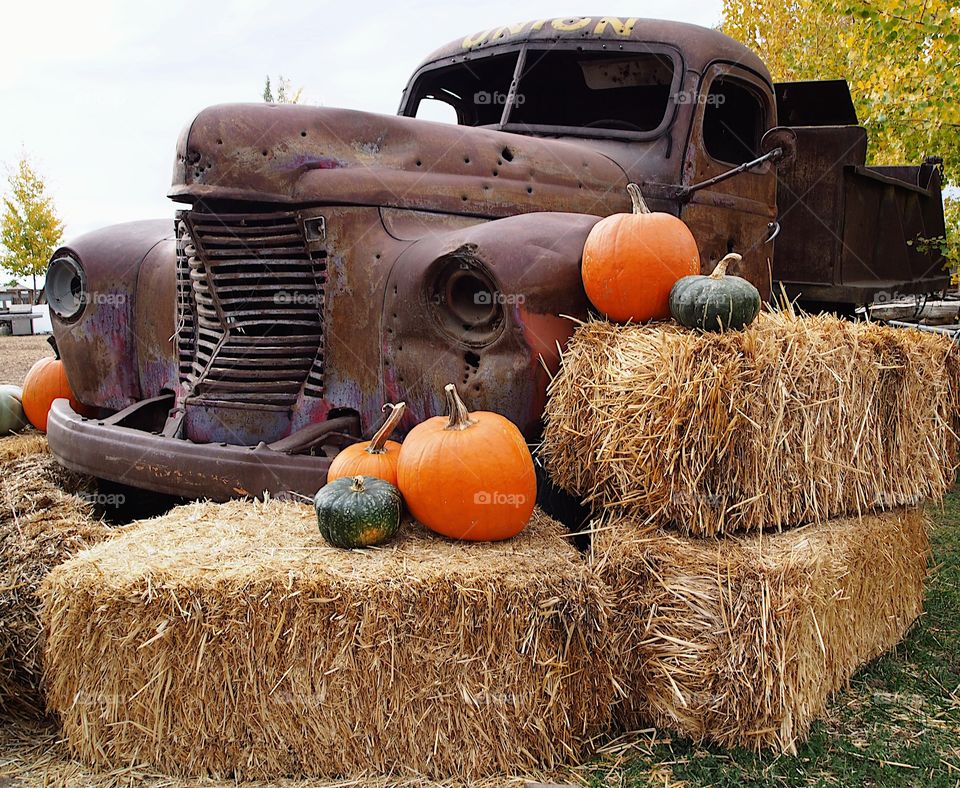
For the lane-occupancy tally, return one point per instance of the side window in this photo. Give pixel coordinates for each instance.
(437, 110)
(734, 120)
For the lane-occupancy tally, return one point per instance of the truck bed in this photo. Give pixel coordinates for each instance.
(851, 233)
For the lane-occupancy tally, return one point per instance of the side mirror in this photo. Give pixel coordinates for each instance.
(785, 139)
(778, 146)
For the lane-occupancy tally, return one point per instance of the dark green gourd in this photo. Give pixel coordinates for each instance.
(715, 302)
(358, 511)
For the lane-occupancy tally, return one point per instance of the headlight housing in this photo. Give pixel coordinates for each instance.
(66, 287)
(465, 301)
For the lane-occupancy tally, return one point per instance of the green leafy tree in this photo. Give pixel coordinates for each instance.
(900, 57)
(29, 228)
(284, 93)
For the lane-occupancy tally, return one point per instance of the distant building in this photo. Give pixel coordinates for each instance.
(16, 296)
(17, 313)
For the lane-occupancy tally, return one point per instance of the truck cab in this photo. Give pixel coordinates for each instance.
(670, 104)
(326, 261)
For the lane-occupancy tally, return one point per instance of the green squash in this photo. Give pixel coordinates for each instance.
(716, 302)
(358, 511)
(12, 417)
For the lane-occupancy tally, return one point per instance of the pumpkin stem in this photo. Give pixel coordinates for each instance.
(636, 197)
(358, 484)
(721, 270)
(459, 415)
(52, 341)
(386, 430)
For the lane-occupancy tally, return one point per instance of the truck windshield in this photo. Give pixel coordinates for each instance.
(558, 91)
(593, 90)
(475, 89)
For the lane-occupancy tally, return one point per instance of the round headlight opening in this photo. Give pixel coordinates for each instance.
(471, 298)
(465, 301)
(66, 287)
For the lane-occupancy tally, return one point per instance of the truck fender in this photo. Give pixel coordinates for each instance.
(488, 308)
(117, 348)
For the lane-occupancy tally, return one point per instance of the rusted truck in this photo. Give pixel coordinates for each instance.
(327, 261)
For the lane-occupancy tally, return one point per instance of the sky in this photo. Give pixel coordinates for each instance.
(96, 93)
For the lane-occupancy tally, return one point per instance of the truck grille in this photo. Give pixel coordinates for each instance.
(250, 309)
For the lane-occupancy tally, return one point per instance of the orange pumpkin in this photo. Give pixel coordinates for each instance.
(632, 260)
(468, 476)
(45, 382)
(376, 457)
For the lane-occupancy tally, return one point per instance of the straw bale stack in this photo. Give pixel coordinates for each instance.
(796, 419)
(230, 640)
(741, 640)
(43, 521)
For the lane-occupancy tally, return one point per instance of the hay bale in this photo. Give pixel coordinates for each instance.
(230, 640)
(13, 447)
(33, 752)
(43, 521)
(796, 419)
(741, 640)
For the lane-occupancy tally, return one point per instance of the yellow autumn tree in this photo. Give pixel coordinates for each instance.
(900, 57)
(29, 227)
(950, 244)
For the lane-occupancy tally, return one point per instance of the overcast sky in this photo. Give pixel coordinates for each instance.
(95, 93)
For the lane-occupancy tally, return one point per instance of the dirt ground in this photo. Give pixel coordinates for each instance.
(17, 355)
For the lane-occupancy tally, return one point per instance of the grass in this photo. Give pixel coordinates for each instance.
(898, 723)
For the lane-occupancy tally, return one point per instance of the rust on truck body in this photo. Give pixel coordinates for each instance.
(118, 350)
(326, 261)
(290, 154)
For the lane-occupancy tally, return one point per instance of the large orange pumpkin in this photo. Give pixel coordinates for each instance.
(469, 475)
(376, 457)
(632, 260)
(45, 382)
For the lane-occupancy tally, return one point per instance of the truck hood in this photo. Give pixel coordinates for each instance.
(299, 154)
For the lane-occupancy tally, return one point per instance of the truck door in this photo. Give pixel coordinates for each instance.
(733, 110)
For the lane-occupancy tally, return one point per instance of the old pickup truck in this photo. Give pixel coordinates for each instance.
(327, 261)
